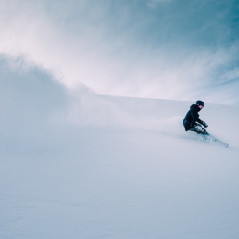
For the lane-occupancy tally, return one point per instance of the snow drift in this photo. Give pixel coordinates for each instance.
(80, 165)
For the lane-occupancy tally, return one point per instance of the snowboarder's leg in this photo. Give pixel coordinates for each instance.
(199, 129)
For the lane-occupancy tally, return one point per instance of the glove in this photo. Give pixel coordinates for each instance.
(204, 124)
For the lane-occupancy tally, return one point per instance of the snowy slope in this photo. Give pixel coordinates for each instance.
(89, 166)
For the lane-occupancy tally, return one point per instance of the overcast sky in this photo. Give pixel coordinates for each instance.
(169, 49)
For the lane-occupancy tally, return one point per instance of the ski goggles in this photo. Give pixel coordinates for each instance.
(200, 106)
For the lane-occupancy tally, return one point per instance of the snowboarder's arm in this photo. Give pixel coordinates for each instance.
(202, 122)
(195, 117)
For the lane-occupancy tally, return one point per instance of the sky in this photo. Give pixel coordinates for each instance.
(167, 49)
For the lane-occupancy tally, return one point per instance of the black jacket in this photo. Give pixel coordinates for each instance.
(192, 117)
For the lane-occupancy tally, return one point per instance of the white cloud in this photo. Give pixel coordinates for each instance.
(100, 52)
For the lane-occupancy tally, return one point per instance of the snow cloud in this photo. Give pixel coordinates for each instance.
(167, 49)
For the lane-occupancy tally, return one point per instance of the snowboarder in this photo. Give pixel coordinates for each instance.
(192, 122)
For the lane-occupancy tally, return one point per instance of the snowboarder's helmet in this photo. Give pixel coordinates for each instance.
(199, 102)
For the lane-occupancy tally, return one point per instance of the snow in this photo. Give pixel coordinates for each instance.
(81, 165)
